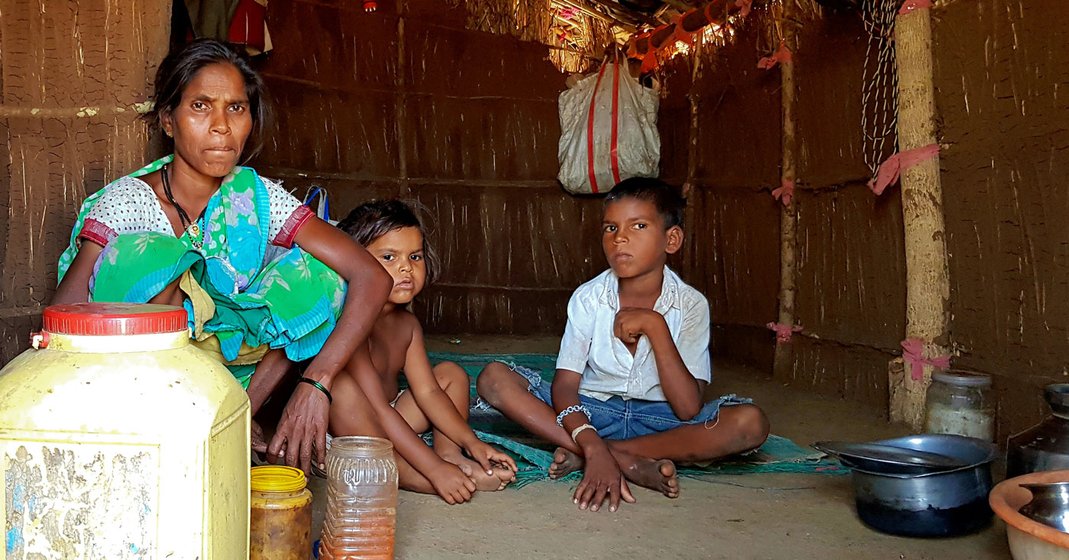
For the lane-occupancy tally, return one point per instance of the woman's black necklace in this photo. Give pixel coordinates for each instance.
(192, 228)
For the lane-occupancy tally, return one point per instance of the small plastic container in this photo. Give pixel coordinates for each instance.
(280, 521)
(361, 499)
(959, 402)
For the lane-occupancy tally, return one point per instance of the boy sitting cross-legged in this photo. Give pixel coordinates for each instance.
(626, 400)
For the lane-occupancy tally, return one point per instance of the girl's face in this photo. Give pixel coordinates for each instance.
(212, 121)
(400, 252)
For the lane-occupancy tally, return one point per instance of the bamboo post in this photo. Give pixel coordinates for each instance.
(695, 105)
(927, 277)
(783, 362)
(401, 104)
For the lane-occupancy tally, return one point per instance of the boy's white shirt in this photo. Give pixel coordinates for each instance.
(608, 368)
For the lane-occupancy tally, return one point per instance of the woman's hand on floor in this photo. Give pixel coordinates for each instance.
(302, 431)
(256, 437)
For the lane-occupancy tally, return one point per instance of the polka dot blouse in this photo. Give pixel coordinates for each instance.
(131, 206)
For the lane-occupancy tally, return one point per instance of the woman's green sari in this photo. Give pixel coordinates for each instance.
(242, 291)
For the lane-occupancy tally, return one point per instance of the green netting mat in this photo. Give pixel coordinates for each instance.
(533, 457)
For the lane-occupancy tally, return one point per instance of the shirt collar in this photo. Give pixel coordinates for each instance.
(668, 299)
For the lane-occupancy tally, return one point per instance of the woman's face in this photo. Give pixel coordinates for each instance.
(400, 252)
(212, 121)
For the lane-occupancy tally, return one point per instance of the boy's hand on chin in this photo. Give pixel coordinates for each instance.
(451, 483)
(633, 322)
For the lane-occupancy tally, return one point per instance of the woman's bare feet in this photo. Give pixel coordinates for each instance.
(659, 475)
(564, 463)
(483, 482)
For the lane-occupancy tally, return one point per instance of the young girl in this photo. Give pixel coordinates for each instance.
(367, 401)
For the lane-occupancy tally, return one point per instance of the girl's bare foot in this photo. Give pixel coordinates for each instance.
(564, 463)
(483, 482)
(659, 475)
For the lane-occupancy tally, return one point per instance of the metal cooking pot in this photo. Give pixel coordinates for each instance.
(939, 503)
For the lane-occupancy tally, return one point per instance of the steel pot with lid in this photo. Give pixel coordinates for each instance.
(932, 502)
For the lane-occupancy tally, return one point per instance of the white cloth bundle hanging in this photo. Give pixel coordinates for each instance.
(608, 130)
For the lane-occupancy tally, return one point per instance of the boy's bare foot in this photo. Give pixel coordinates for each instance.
(659, 475)
(564, 463)
(483, 482)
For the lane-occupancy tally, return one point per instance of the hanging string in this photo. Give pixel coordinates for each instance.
(879, 89)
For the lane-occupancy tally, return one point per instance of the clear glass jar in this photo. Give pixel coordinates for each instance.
(280, 520)
(959, 402)
(361, 499)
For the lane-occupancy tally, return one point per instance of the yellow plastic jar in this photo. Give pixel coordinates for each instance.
(280, 524)
(121, 440)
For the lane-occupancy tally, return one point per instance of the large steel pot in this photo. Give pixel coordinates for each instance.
(930, 504)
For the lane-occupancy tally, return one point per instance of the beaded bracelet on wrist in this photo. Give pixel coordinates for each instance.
(569, 410)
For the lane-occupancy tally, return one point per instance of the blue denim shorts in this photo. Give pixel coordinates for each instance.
(619, 418)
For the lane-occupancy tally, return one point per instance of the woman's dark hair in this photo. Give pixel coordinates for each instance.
(180, 67)
(372, 220)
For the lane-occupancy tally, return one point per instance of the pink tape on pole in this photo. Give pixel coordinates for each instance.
(910, 5)
(893, 166)
(781, 56)
(913, 355)
(744, 7)
(785, 193)
(783, 332)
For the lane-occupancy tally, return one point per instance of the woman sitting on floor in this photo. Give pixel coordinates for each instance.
(263, 279)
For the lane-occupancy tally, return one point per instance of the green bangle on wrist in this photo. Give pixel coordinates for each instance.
(318, 385)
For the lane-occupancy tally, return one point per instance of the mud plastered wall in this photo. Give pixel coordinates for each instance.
(1000, 79)
(409, 103)
(405, 103)
(731, 252)
(850, 274)
(71, 79)
(851, 268)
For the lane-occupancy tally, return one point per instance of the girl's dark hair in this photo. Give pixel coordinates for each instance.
(180, 67)
(372, 220)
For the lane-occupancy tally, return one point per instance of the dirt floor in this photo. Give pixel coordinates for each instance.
(768, 516)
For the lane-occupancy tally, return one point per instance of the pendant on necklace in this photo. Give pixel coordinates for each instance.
(195, 236)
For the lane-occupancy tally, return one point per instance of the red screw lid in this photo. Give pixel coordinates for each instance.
(105, 319)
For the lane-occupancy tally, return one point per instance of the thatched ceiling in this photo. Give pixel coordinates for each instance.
(632, 14)
(578, 32)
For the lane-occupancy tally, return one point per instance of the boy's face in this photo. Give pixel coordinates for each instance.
(634, 238)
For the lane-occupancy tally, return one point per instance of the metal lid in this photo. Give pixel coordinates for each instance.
(110, 319)
(962, 378)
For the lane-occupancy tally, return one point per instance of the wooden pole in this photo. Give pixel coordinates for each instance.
(695, 104)
(927, 276)
(783, 362)
(401, 105)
